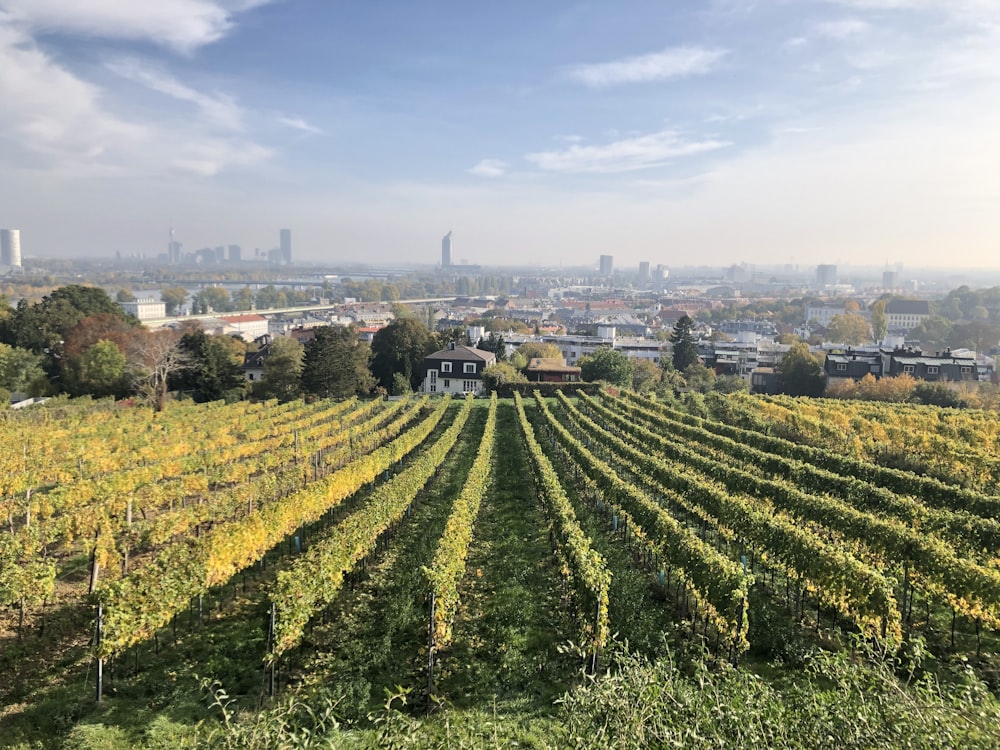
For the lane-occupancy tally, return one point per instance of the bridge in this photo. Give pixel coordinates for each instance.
(301, 310)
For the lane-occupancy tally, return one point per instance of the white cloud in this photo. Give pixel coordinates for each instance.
(674, 62)
(297, 123)
(626, 155)
(58, 114)
(183, 25)
(842, 29)
(64, 123)
(220, 110)
(489, 168)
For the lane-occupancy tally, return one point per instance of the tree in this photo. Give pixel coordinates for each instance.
(21, 371)
(532, 349)
(500, 374)
(400, 347)
(454, 335)
(173, 297)
(933, 333)
(83, 336)
(336, 364)
(850, 328)
(645, 375)
(154, 357)
(243, 299)
(400, 384)
(801, 374)
(494, 343)
(698, 377)
(103, 370)
(215, 370)
(212, 299)
(685, 348)
(125, 295)
(880, 325)
(44, 326)
(607, 364)
(282, 374)
(937, 394)
(977, 335)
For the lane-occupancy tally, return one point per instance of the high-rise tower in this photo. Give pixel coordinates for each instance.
(10, 247)
(607, 265)
(446, 250)
(285, 245)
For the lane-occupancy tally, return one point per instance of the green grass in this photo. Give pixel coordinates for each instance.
(511, 622)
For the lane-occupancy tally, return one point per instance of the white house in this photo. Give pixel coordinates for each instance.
(457, 369)
(250, 327)
(145, 309)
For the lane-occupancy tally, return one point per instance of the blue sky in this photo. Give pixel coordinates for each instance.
(764, 131)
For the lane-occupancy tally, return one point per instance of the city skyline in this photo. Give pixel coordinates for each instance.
(826, 131)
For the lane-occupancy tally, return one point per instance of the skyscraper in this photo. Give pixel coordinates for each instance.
(826, 275)
(644, 270)
(10, 247)
(607, 265)
(446, 250)
(286, 245)
(890, 279)
(173, 249)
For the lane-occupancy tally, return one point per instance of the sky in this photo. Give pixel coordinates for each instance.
(682, 133)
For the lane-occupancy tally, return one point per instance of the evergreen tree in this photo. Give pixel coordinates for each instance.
(400, 347)
(685, 348)
(336, 364)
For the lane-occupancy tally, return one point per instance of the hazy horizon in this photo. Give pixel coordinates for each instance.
(762, 131)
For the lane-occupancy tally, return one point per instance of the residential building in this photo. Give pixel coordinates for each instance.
(853, 365)
(253, 362)
(457, 369)
(904, 315)
(248, 327)
(943, 367)
(551, 370)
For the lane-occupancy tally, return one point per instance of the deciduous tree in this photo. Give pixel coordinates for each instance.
(801, 374)
(282, 376)
(850, 328)
(154, 357)
(607, 364)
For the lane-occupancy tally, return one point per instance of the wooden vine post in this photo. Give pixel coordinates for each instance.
(430, 651)
(98, 636)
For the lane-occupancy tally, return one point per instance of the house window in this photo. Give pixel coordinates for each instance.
(469, 368)
(434, 387)
(446, 367)
(468, 386)
(434, 376)
(447, 384)
(932, 370)
(249, 376)
(841, 366)
(966, 370)
(907, 368)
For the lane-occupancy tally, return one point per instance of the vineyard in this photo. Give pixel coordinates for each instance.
(550, 572)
